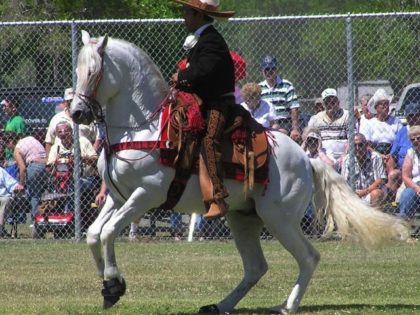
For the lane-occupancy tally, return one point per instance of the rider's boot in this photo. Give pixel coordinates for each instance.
(212, 156)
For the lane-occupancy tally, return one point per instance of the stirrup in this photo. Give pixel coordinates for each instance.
(218, 208)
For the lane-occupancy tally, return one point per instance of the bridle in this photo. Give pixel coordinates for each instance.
(90, 100)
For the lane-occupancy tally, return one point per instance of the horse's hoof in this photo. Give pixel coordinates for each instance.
(110, 301)
(209, 309)
(112, 291)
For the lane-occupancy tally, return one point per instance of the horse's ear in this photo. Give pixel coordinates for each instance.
(102, 44)
(85, 37)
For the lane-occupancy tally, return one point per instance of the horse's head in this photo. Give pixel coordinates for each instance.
(85, 107)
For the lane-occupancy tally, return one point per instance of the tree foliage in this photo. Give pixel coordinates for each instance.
(19, 10)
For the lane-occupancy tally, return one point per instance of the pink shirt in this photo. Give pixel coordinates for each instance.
(31, 149)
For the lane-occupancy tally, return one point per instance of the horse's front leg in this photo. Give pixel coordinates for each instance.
(114, 284)
(94, 232)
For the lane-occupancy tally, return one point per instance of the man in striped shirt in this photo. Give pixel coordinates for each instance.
(281, 94)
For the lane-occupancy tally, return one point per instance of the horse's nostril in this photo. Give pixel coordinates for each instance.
(77, 115)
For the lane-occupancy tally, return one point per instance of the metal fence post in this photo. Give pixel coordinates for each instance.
(76, 143)
(350, 99)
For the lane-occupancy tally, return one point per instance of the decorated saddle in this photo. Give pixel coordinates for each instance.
(245, 149)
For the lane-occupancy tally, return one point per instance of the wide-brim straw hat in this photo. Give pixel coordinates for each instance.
(380, 95)
(209, 7)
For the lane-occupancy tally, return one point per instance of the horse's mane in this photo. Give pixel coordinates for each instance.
(143, 72)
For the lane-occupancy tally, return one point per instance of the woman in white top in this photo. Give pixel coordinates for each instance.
(410, 197)
(260, 110)
(380, 131)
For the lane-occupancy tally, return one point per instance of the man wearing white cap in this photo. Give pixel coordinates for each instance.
(87, 131)
(332, 123)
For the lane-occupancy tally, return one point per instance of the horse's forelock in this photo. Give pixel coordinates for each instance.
(89, 60)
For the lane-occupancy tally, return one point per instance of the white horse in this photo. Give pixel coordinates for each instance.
(119, 80)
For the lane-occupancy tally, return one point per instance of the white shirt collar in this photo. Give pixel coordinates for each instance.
(201, 29)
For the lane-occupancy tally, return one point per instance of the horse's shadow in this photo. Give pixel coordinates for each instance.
(329, 307)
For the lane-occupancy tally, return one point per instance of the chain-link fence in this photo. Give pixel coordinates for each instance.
(353, 54)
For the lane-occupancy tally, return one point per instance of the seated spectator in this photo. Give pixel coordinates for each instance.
(262, 111)
(410, 197)
(15, 123)
(402, 142)
(312, 145)
(380, 131)
(319, 105)
(88, 132)
(369, 172)
(8, 186)
(88, 154)
(332, 124)
(30, 157)
(361, 111)
(89, 179)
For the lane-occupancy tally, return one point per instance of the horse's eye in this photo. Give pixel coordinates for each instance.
(89, 73)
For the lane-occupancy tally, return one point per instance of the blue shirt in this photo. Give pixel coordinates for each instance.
(7, 183)
(400, 146)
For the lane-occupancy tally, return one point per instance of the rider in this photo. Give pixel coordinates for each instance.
(210, 75)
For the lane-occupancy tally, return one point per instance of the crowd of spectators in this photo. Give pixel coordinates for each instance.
(383, 169)
(384, 164)
(28, 160)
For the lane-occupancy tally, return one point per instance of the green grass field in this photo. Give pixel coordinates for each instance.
(50, 277)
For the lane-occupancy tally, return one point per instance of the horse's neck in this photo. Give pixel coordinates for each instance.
(140, 92)
(130, 113)
(128, 123)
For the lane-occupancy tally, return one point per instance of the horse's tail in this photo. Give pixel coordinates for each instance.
(352, 217)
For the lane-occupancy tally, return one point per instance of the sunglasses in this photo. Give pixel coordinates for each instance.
(415, 139)
(312, 140)
(269, 69)
(359, 145)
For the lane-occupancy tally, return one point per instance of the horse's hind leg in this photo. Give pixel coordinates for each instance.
(291, 237)
(246, 231)
(94, 232)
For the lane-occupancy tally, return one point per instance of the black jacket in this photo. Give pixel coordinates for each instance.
(210, 73)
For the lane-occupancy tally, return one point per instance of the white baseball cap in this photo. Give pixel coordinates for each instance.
(314, 134)
(328, 92)
(68, 94)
